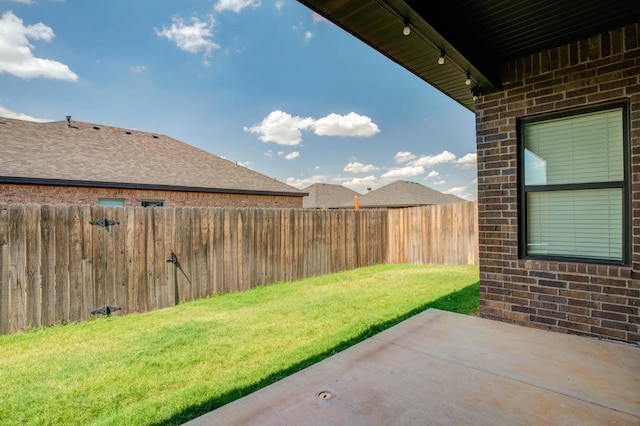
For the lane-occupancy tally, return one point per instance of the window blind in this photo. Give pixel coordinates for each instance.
(574, 185)
(582, 149)
(585, 223)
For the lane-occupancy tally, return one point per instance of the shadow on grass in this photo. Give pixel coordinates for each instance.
(464, 301)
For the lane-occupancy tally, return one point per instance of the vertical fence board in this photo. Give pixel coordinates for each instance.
(4, 269)
(196, 256)
(159, 281)
(131, 259)
(48, 265)
(255, 264)
(277, 248)
(242, 226)
(120, 264)
(18, 269)
(301, 233)
(288, 244)
(170, 245)
(235, 236)
(150, 258)
(211, 260)
(33, 277)
(218, 250)
(62, 262)
(99, 259)
(142, 303)
(183, 236)
(202, 261)
(270, 255)
(227, 249)
(76, 285)
(110, 236)
(88, 287)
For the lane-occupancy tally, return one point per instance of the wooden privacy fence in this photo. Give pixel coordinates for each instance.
(56, 266)
(445, 234)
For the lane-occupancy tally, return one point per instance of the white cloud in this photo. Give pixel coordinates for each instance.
(433, 160)
(281, 128)
(303, 183)
(351, 124)
(292, 155)
(456, 190)
(467, 162)
(279, 5)
(316, 168)
(308, 35)
(247, 164)
(440, 182)
(403, 172)
(285, 129)
(194, 38)
(356, 167)
(29, 2)
(280, 153)
(403, 157)
(319, 18)
(460, 191)
(433, 174)
(364, 182)
(16, 52)
(268, 153)
(475, 181)
(138, 68)
(4, 112)
(236, 5)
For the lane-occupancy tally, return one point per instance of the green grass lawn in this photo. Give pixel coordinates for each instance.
(172, 365)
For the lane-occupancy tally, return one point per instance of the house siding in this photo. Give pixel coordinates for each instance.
(53, 194)
(572, 297)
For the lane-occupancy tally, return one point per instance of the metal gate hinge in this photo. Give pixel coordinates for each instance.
(104, 222)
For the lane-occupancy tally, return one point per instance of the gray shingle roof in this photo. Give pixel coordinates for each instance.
(404, 194)
(102, 154)
(324, 195)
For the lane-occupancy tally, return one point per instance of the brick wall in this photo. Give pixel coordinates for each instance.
(45, 194)
(580, 298)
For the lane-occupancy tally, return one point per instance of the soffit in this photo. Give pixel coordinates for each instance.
(476, 35)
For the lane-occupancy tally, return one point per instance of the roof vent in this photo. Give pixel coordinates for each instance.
(96, 127)
(155, 136)
(128, 132)
(69, 125)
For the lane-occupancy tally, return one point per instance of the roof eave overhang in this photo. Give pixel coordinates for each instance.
(379, 24)
(143, 186)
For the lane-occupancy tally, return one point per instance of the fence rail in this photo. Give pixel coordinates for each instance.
(55, 266)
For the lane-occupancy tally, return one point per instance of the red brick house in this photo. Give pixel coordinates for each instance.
(555, 87)
(66, 162)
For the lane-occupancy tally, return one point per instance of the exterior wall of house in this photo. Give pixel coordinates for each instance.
(580, 298)
(45, 194)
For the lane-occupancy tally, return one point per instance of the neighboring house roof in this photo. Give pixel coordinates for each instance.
(95, 155)
(402, 193)
(476, 37)
(324, 195)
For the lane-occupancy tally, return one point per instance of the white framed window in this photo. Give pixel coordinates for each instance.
(116, 202)
(152, 203)
(574, 186)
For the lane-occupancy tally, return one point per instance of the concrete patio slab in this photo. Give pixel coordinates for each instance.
(444, 368)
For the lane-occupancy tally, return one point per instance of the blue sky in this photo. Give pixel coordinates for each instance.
(265, 83)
